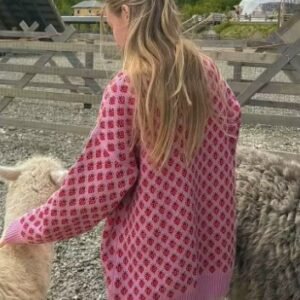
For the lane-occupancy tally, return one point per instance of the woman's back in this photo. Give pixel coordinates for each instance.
(174, 235)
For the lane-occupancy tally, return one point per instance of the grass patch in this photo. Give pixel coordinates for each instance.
(244, 31)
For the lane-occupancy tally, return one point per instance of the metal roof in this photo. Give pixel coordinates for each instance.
(81, 19)
(89, 4)
(44, 12)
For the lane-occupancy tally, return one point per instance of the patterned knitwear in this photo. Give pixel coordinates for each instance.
(169, 233)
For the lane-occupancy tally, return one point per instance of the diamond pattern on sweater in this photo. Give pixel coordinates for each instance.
(164, 229)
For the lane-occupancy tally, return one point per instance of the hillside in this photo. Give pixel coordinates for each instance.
(244, 31)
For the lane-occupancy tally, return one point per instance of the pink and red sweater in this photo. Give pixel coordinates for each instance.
(169, 234)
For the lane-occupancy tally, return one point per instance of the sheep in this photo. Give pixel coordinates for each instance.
(268, 228)
(25, 269)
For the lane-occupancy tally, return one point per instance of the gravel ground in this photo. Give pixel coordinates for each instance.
(77, 273)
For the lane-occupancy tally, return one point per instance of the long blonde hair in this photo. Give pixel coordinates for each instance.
(168, 78)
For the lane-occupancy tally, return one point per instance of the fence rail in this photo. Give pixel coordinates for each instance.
(89, 91)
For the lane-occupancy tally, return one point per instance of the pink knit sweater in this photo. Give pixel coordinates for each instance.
(169, 234)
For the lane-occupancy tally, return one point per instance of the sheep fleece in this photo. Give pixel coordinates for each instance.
(268, 234)
(25, 269)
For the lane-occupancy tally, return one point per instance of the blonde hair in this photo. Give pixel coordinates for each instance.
(168, 78)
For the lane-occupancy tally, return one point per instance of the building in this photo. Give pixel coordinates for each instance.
(265, 8)
(88, 8)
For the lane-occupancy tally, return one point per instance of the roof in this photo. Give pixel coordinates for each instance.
(44, 12)
(89, 4)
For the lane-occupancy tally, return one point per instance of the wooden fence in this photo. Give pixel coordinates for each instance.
(77, 49)
(267, 62)
(70, 44)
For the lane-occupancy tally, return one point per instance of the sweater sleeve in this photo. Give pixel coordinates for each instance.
(97, 182)
(226, 104)
(233, 111)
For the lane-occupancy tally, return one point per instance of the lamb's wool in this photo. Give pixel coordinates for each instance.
(268, 237)
(25, 269)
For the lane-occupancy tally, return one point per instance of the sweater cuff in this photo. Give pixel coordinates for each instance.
(12, 234)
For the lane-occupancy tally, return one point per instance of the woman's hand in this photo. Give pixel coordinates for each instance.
(2, 243)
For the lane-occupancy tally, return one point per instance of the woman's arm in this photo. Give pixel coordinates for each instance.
(96, 183)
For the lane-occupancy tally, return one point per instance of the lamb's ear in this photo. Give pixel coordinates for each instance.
(58, 176)
(9, 173)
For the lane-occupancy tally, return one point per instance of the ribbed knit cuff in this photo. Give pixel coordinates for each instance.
(13, 234)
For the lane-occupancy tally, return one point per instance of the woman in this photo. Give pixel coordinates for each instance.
(159, 166)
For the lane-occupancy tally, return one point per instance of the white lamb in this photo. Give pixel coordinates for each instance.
(25, 269)
(268, 233)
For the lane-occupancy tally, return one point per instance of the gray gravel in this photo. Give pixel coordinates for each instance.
(77, 272)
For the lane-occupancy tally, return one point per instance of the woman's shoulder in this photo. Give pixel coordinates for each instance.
(121, 80)
(119, 90)
(210, 67)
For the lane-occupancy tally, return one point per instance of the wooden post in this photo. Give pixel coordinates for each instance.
(101, 25)
(281, 13)
(237, 67)
(89, 64)
(101, 32)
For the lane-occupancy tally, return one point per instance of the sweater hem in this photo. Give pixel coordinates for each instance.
(208, 287)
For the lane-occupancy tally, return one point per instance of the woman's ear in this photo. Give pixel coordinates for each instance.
(125, 12)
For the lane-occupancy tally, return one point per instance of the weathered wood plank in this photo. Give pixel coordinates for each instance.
(41, 69)
(49, 85)
(290, 71)
(94, 36)
(75, 62)
(221, 43)
(268, 74)
(63, 97)
(294, 76)
(39, 63)
(62, 128)
(11, 45)
(274, 104)
(110, 49)
(109, 38)
(237, 67)
(288, 67)
(111, 52)
(65, 79)
(292, 32)
(282, 88)
(272, 120)
(296, 64)
(3, 103)
(33, 27)
(26, 35)
(243, 57)
(89, 64)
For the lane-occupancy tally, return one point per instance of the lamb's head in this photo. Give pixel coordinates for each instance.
(30, 184)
